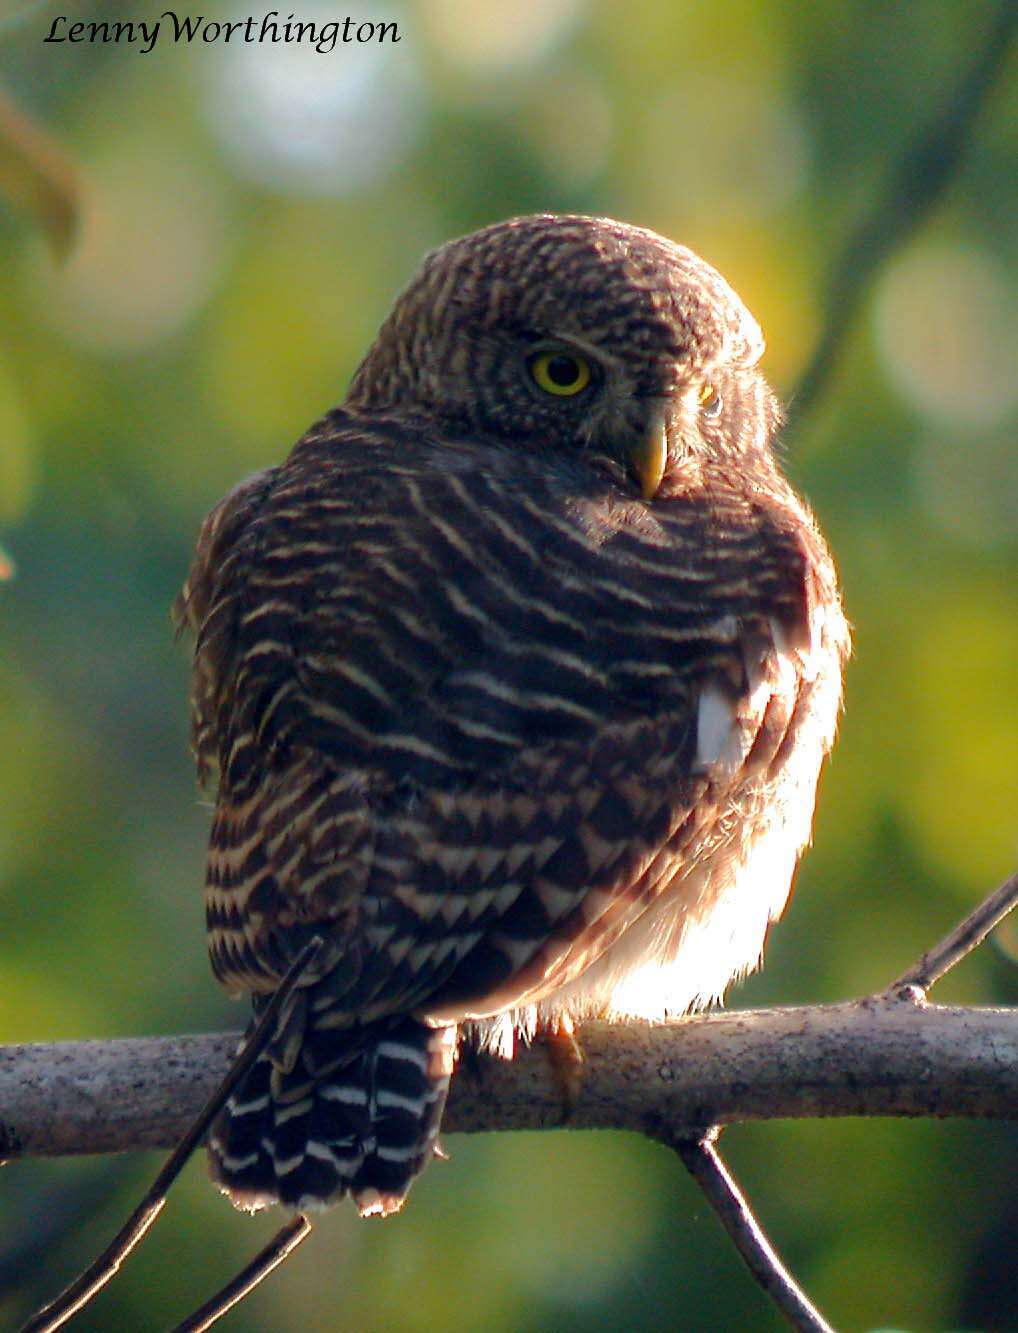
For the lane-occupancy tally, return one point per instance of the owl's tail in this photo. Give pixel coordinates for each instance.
(358, 1112)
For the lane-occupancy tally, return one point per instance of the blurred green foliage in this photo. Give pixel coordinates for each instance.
(248, 212)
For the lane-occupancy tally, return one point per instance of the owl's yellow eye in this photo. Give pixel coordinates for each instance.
(710, 401)
(560, 373)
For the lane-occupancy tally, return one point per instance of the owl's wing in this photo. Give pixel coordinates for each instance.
(461, 701)
(206, 606)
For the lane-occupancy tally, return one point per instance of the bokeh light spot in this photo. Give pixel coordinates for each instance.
(946, 325)
(721, 146)
(491, 37)
(150, 251)
(292, 117)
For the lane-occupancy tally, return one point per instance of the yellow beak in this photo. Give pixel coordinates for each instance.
(649, 457)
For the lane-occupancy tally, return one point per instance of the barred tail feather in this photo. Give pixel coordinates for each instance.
(359, 1113)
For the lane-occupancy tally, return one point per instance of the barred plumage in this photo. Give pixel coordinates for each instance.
(518, 697)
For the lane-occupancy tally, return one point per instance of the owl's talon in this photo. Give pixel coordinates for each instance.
(565, 1061)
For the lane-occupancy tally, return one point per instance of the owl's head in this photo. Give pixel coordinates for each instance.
(565, 332)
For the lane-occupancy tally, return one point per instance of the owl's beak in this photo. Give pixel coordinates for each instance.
(648, 456)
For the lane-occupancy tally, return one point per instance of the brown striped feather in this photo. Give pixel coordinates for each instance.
(411, 728)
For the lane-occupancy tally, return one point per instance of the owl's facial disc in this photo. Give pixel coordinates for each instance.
(570, 368)
(582, 335)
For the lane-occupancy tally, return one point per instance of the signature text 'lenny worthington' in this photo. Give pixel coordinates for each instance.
(199, 30)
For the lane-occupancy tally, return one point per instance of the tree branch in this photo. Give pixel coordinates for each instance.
(700, 1158)
(890, 1054)
(879, 1056)
(965, 937)
(277, 1251)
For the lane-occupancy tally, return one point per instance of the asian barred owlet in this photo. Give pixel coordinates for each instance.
(515, 680)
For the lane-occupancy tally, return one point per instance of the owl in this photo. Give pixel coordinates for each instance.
(513, 682)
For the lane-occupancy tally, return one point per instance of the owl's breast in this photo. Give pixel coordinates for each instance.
(702, 904)
(556, 750)
(429, 622)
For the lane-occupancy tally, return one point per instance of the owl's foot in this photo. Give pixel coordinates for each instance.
(565, 1060)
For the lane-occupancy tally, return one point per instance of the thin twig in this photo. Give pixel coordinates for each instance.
(925, 170)
(78, 1293)
(280, 1247)
(965, 937)
(704, 1164)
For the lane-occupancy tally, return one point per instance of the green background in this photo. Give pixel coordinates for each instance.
(248, 213)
